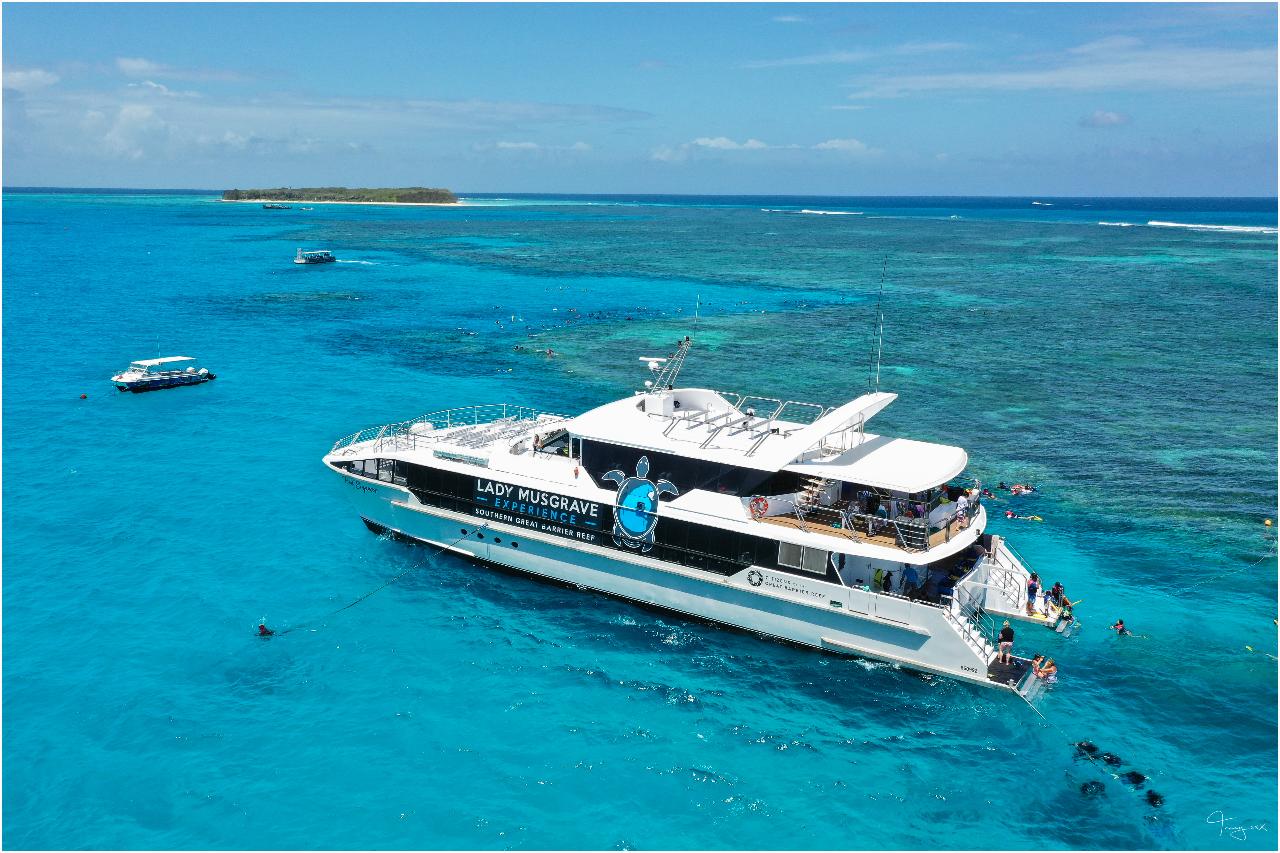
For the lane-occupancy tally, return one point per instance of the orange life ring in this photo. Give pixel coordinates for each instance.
(759, 506)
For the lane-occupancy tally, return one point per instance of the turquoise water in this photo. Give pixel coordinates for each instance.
(1130, 372)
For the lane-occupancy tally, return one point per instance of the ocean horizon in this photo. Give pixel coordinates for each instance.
(1120, 354)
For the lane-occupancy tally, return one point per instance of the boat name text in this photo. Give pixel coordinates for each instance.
(535, 503)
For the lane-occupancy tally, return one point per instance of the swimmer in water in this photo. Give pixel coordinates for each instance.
(1134, 778)
(1088, 748)
(1119, 628)
(264, 631)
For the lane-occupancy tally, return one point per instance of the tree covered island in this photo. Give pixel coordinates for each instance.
(393, 195)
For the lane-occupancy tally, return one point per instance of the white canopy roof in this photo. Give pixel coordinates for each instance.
(896, 464)
(152, 362)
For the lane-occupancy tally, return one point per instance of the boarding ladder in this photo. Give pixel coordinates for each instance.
(966, 616)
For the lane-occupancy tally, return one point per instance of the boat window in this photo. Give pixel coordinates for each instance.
(789, 555)
(812, 560)
(386, 469)
(815, 561)
(370, 467)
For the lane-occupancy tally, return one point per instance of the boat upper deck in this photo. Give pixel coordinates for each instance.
(526, 442)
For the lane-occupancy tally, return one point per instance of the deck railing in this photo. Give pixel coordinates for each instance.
(403, 435)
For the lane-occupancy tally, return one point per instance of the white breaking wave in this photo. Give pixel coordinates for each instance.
(1118, 224)
(1238, 229)
(366, 263)
(815, 212)
(1043, 203)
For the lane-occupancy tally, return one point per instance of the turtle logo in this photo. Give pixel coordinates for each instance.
(755, 578)
(635, 513)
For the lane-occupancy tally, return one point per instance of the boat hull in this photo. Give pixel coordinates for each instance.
(798, 610)
(142, 386)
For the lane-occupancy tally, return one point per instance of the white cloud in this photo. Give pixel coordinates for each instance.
(29, 79)
(1103, 118)
(161, 89)
(724, 143)
(789, 19)
(670, 154)
(849, 146)
(848, 57)
(576, 147)
(1110, 44)
(136, 129)
(684, 151)
(1109, 64)
(149, 120)
(835, 57)
(138, 67)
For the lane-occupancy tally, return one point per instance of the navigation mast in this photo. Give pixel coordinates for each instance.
(667, 368)
(875, 365)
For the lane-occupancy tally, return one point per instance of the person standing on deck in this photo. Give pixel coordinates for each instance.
(1006, 643)
(910, 580)
(962, 510)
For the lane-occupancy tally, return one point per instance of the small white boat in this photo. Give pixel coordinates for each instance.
(152, 374)
(319, 256)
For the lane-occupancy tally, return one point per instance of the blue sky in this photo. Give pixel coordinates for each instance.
(840, 99)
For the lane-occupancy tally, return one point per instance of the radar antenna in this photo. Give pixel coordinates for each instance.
(667, 368)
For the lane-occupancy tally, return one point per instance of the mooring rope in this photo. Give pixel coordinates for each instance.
(413, 568)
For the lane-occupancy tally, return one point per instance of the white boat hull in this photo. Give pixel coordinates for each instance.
(808, 611)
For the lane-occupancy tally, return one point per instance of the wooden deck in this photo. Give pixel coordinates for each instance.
(884, 539)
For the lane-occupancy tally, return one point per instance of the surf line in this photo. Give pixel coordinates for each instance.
(264, 631)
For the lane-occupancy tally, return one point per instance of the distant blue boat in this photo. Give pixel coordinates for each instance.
(143, 375)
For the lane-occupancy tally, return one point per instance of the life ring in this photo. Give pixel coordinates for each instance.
(759, 506)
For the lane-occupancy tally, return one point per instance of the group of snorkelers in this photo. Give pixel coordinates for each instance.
(1016, 490)
(1136, 780)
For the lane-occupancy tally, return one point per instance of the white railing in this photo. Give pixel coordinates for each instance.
(407, 434)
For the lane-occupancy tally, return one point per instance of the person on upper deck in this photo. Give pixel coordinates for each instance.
(962, 509)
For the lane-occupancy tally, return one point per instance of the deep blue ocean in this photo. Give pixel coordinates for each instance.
(1128, 370)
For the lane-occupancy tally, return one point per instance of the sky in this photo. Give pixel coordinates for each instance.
(733, 98)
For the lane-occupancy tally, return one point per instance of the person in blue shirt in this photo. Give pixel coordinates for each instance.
(910, 580)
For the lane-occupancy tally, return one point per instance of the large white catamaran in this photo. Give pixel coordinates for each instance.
(784, 518)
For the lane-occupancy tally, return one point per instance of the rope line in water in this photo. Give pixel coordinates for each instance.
(1271, 552)
(439, 550)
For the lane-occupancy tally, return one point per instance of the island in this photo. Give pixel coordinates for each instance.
(346, 195)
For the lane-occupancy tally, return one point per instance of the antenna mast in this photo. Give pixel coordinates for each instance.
(884, 270)
(668, 368)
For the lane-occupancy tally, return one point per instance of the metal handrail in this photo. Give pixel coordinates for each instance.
(396, 433)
